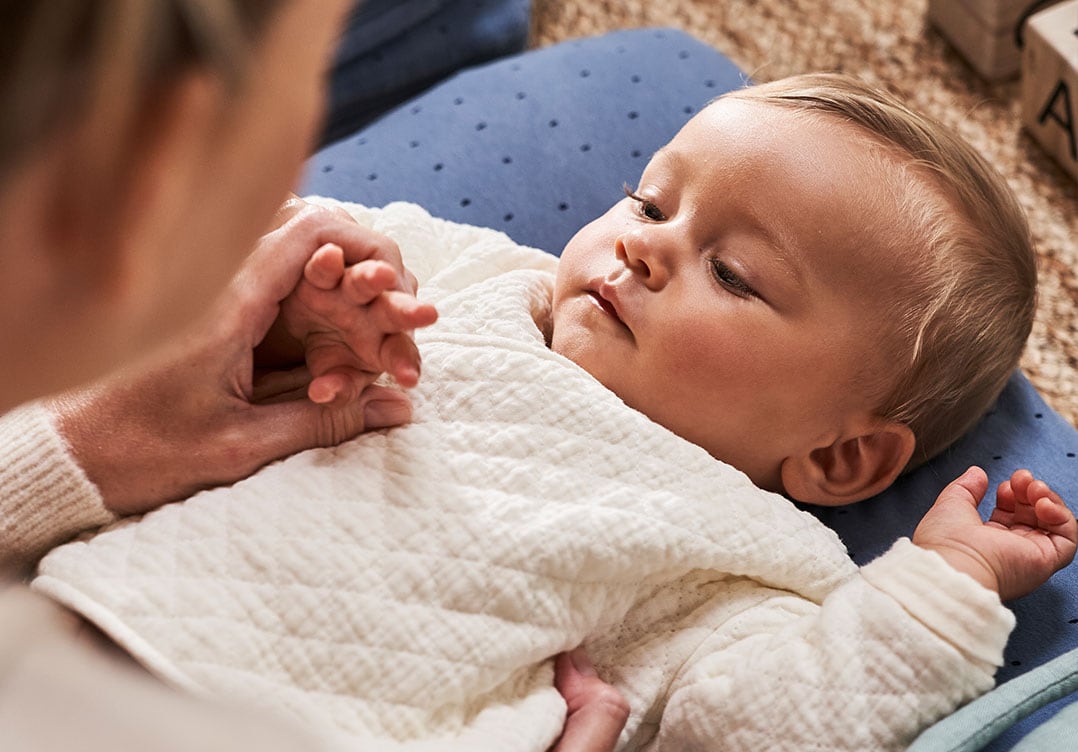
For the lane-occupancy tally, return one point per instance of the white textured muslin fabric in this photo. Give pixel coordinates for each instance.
(407, 589)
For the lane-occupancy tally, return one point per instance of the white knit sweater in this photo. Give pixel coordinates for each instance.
(408, 588)
(45, 497)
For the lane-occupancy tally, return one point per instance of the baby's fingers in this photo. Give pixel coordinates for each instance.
(401, 312)
(329, 388)
(325, 268)
(1052, 515)
(1038, 489)
(1057, 521)
(400, 358)
(339, 386)
(1049, 510)
(1015, 499)
(365, 281)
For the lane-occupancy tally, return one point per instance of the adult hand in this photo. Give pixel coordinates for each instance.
(193, 415)
(597, 712)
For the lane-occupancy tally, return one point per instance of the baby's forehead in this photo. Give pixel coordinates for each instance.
(731, 133)
(758, 120)
(815, 173)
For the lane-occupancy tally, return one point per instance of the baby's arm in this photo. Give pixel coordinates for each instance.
(890, 650)
(1029, 536)
(354, 323)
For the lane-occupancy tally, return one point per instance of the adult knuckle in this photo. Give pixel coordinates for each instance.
(342, 213)
(312, 217)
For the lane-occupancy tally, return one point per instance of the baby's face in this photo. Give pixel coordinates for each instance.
(733, 297)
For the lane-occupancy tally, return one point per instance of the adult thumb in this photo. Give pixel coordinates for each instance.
(284, 428)
(385, 408)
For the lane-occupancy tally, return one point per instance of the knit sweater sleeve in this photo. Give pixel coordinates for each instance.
(887, 653)
(45, 497)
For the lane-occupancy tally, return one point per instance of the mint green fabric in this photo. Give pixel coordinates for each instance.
(974, 726)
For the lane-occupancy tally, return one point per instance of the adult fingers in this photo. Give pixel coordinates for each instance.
(291, 206)
(279, 430)
(277, 384)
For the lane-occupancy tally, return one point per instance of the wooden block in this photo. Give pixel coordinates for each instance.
(985, 32)
(1050, 82)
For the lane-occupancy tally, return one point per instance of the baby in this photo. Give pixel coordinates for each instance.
(810, 283)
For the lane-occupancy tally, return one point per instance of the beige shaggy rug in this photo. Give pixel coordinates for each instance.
(887, 42)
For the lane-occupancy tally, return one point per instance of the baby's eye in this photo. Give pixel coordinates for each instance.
(726, 277)
(645, 208)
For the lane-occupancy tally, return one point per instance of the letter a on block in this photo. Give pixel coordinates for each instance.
(1059, 109)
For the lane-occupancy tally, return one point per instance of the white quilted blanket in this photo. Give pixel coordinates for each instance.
(408, 588)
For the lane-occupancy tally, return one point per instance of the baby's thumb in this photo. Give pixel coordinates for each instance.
(965, 491)
(956, 506)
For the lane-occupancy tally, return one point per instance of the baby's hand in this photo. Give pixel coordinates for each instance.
(1030, 534)
(355, 323)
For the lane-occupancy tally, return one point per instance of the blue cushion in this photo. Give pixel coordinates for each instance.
(393, 49)
(512, 146)
(539, 144)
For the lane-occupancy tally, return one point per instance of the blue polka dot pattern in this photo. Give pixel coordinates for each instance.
(515, 138)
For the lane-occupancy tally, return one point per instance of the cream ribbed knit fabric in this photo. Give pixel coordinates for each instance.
(45, 497)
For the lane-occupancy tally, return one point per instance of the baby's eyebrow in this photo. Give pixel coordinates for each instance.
(781, 245)
(673, 158)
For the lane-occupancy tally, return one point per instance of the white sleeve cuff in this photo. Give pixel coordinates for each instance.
(45, 497)
(950, 603)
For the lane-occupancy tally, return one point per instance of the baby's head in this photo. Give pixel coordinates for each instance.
(812, 282)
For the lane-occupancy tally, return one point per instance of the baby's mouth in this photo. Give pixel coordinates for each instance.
(605, 296)
(606, 305)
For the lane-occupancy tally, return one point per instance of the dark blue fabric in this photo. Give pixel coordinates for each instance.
(393, 49)
(539, 144)
(375, 22)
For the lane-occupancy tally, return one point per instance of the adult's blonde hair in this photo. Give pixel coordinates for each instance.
(63, 61)
(963, 309)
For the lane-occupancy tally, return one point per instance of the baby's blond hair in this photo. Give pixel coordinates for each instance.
(963, 311)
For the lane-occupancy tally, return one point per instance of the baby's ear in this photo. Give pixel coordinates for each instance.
(851, 469)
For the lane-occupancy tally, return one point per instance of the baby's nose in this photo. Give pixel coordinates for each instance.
(646, 255)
